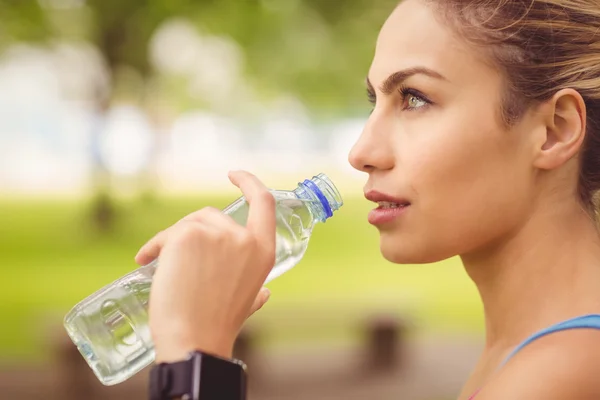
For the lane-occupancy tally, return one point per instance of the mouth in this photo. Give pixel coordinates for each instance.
(388, 204)
(389, 208)
(386, 200)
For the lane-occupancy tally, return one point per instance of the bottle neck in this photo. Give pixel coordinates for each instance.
(323, 196)
(312, 202)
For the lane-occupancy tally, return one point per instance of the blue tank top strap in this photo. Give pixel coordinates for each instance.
(591, 321)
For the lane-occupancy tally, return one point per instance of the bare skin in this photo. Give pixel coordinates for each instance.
(203, 308)
(504, 200)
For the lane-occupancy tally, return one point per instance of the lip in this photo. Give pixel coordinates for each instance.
(376, 196)
(381, 215)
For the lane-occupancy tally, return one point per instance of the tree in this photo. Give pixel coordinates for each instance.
(120, 30)
(317, 50)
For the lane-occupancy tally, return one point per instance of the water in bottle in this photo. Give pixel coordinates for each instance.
(110, 327)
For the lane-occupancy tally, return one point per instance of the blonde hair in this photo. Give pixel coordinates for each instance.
(540, 46)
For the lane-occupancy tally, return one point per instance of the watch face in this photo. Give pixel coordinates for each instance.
(222, 380)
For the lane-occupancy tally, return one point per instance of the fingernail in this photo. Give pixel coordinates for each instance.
(267, 293)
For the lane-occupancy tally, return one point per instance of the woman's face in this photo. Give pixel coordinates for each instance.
(434, 144)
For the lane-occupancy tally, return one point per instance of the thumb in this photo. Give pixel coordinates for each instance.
(260, 300)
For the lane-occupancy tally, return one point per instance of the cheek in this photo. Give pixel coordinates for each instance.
(446, 161)
(464, 184)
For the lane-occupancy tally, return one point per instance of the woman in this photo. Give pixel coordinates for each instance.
(485, 133)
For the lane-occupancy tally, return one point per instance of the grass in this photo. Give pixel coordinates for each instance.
(52, 258)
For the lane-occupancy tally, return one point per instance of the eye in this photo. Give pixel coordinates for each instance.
(412, 99)
(371, 96)
(415, 102)
(372, 99)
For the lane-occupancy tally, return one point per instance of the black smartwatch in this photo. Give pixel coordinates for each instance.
(200, 377)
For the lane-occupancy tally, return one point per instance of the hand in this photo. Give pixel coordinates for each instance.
(210, 274)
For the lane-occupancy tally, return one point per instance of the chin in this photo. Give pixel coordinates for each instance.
(400, 251)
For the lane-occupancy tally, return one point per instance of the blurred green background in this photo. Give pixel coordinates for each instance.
(53, 259)
(117, 118)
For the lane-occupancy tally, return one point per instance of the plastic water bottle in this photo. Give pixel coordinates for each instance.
(110, 327)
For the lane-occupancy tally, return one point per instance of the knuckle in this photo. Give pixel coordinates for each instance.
(227, 231)
(158, 236)
(219, 234)
(203, 213)
(243, 238)
(199, 215)
(188, 233)
(210, 210)
(267, 198)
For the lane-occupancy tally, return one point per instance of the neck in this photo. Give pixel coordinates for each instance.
(546, 272)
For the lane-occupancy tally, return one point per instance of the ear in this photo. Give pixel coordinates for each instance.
(565, 129)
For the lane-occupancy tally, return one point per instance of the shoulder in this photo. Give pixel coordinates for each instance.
(561, 366)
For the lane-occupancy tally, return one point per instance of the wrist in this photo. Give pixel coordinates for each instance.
(175, 347)
(200, 376)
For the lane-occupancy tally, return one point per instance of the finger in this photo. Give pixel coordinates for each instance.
(262, 297)
(199, 215)
(261, 215)
(214, 218)
(149, 251)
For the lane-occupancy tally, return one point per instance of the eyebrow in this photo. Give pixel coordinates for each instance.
(395, 79)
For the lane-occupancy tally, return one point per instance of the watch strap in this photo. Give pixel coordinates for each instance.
(172, 380)
(200, 377)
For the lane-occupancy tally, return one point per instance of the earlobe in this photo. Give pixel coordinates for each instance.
(565, 129)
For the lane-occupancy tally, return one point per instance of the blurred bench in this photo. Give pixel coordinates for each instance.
(308, 373)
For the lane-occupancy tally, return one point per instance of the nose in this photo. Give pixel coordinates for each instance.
(373, 150)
